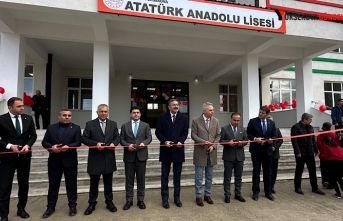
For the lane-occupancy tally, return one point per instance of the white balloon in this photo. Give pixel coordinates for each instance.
(316, 106)
(163, 94)
(1, 97)
(321, 102)
(154, 97)
(166, 97)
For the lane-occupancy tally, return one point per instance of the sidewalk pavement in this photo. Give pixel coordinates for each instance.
(288, 205)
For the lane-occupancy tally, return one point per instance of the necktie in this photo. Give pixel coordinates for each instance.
(17, 126)
(264, 127)
(103, 126)
(174, 117)
(235, 131)
(135, 129)
(208, 123)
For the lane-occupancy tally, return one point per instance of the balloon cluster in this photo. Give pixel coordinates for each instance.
(27, 100)
(282, 105)
(2, 91)
(136, 99)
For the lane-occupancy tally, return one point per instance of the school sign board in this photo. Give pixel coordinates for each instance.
(200, 12)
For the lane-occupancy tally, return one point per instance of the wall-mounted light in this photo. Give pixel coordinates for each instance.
(196, 79)
(130, 76)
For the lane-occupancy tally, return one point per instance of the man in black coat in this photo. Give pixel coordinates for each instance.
(40, 107)
(18, 134)
(172, 131)
(276, 154)
(135, 135)
(261, 131)
(233, 155)
(305, 149)
(101, 133)
(59, 139)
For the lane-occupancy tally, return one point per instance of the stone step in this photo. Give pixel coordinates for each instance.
(153, 181)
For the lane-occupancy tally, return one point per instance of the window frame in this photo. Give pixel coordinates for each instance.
(228, 94)
(333, 92)
(280, 90)
(79, 89)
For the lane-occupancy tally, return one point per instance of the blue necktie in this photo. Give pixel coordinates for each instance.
(135, 129)
(17, 126)
(264, 127)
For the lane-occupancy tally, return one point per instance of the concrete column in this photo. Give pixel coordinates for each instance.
(12, 67)
(250, 88)
(265, 82)
(101, 75)
(304, 88)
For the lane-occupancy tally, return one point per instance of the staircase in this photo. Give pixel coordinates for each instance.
(39, 172)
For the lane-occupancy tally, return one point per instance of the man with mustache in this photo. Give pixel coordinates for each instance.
(172, 131)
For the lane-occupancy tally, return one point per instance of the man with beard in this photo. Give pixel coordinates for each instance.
(58, 139)
(172, 132)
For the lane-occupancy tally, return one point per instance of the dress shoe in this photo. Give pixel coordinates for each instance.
(141, 205)
(299, 191)
(270, 197)
(273, 191)
(178, 203)
(89, 209)
(199, 202)
(208, 199)
(227, 199)
(127, 205)
(22, 213)
(48, 212)
(4, 218)
(165, 204)
(111, 207)
(318, 191)
(72, 211)
(255, 196)
(240, 198)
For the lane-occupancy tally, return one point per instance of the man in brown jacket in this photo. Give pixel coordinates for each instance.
(205, 133)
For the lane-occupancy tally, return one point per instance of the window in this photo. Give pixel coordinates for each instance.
(152, 106)
(28, 80)
(339, 50)
(282, 90)
(228, 98)
(79, 94)
(332, 92)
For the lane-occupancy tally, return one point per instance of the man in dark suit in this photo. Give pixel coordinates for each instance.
(135, 135)
(172, 131)
(102, 133)
(58, 139)
(261, 131)
(233, 155)
(276, 154)
(40, 107)
(18, 134)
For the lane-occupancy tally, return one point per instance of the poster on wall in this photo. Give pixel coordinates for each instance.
(199, 11)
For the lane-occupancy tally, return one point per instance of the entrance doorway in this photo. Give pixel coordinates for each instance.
(153, 96)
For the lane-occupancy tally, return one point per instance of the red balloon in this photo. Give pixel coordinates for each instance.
(158, 94)
(322, 108)
(134, 95)
(276, 106)
(285, 103)
(272, 108)
(168, 93)
(294, 105)
(2, 90)
(294, 101)
(224, 98)
(283, 106)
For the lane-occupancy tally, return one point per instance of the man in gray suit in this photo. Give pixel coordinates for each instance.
(135, 135)
(206, 132)
(233, 155)
(101, 133)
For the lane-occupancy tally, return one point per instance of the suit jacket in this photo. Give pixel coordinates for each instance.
(127, 138)
(230, 153)
(8, 135)
(104, 161)
(200, 134)
(177, 132)
(254, 129)
(71, 138)
(277, 144)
